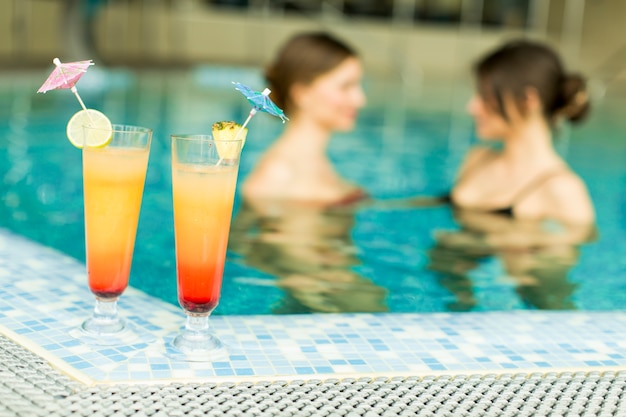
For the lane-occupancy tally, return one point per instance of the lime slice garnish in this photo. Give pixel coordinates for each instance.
(98, 137)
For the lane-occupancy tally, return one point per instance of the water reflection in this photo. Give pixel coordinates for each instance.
(537, 256)
(310, 253)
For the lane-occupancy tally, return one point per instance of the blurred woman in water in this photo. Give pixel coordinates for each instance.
(518, 203)
(316, 79)
(295, 220)
(523, 92)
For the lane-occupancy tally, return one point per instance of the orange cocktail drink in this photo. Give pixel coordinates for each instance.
(204, 176)
(203, 205)
(113, 182)
(113, 187)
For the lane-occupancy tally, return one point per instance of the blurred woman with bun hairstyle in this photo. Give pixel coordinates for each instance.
(522, 93)
(519, 202)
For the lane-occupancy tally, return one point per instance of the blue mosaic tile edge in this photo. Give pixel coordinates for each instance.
(44, 297)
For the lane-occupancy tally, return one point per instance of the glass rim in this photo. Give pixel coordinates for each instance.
(122, 128)
(200, 137)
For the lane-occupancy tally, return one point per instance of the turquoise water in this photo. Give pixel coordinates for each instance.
(378, 257)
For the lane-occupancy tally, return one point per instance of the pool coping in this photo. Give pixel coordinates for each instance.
(290, 347)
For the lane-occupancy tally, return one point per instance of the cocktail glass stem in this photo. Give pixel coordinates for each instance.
(197, 324)
(105, 320)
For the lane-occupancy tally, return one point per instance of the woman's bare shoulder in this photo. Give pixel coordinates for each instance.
(567, 184)
(570, 198)
(270, 177)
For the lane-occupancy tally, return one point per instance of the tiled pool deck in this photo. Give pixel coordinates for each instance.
(43, 297)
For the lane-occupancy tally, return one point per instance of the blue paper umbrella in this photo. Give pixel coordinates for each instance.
(259, 101)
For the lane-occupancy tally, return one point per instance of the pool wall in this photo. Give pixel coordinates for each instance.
(191, 31)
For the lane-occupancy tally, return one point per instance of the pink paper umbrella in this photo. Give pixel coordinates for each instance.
(65, 76)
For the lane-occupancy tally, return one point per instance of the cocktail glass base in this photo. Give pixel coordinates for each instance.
(195, 343)
(122, 337)
(107, 328)
(104, 326)
(196, 349)
(130, 336)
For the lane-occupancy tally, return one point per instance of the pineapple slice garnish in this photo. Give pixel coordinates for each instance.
(225, 134)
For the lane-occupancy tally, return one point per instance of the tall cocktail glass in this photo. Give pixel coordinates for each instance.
(113, 182)
(204, 175)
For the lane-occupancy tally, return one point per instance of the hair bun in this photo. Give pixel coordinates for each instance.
(574, 98)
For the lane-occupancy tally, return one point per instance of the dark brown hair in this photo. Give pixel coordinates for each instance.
(518, 65)
(301, 59)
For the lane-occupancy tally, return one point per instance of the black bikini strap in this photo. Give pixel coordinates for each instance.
(536, 182)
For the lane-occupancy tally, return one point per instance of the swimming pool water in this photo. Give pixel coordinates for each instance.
(378, 257)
